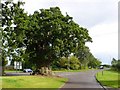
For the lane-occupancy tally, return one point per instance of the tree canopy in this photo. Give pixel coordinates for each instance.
(52, 35)
(115, 64)
(12, 30)
(42, 37)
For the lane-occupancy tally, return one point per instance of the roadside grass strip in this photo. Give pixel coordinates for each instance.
(83, 70)
(108, 78)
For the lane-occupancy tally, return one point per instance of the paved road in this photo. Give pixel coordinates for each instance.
(80, 79)
(17, 74)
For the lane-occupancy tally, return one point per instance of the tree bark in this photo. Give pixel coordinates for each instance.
(46, 71)
(3, 70)
(43, 71)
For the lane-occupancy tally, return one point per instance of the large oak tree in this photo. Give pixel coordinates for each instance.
(44, 36)
(52, 35)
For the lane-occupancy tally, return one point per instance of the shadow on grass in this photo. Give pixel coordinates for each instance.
(112, 83)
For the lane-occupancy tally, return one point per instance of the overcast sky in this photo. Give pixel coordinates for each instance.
(100, 17)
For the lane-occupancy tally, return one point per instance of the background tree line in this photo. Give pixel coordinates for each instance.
(115, 64)
(77, 61)
(43, 38)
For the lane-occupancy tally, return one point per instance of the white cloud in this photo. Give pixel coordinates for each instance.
(85, 12)
(105, 36)
(105, 40)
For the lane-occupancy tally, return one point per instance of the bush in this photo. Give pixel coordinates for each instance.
(74, 63)
(67, 63)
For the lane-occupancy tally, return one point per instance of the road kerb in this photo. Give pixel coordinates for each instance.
(100, 83)
(63, 84)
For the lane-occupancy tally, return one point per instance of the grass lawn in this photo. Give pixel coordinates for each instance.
(32, 82)
(109, 78)
(0, 83)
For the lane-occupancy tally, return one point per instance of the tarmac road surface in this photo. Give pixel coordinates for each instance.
(81, 79)
(17, 74)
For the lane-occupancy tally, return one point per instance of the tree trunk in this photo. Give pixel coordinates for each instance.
(46, 71)
(3, 70)
(80, 66)
(43, 71)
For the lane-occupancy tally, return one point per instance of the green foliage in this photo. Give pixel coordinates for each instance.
(115, 64)
(14, 24)
(67, 63)
(106, 66)
(94, 63)
(52, 35)
(83, 56)
(86, 58)
(118, 65)
(63, 62)
(74, 63)
(42, 37)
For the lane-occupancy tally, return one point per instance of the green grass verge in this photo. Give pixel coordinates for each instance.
(32, 82)
(108, 78)
(72, 70)
(13, 71)
(0, 83)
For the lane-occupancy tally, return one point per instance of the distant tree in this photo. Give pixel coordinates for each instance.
(106, 65)
(83, 54)
(115, 64)
(118, 65)
(86, 58)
